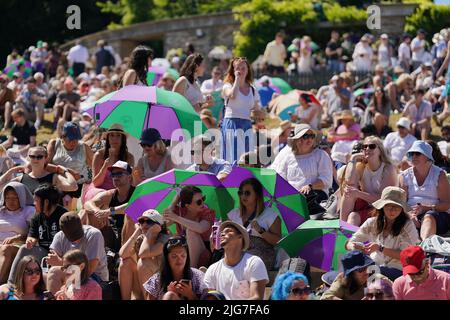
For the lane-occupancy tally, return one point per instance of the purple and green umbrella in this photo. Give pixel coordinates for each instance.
(277, 84)
(137, 108)
(158, 192)
(320, 242)
(15, 66)
(156, 72)
(278, 194)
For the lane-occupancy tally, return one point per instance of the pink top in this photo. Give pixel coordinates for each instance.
(89, 291)
(437, 287)
(355, 128)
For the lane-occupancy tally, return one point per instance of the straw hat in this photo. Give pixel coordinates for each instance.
(116, 127)
(392, 195)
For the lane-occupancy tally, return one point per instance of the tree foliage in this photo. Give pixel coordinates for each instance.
(430, 17)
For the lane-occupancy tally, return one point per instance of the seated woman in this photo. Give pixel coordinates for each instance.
(379, 289)
(28, 284)
(308, 112)
(366, 176)
(89, 288)
(141, 255)
(348, 130)
(43, 226)
(15, 215)
(378, 111)
(176, 279)
(349, 285)
(428, 191)
(115, 149)
(291, 286)
(156, 159)
(193, 220)
(39, 175)
(440, 160)
(388, 233)
(262, 222)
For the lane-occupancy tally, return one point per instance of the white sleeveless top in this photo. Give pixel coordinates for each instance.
(148, 172)
(304, 114)
(75, 159)
(371, 180)
(427, 192)
(193, 93)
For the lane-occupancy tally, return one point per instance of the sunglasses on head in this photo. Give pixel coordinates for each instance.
(371, 146)
(118, 174)
(308, 136)
(301, 291)
(176, 241)
(244, 193)
(30, 272)
(39, 157)
(199, 202)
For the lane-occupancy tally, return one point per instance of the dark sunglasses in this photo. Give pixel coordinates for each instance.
(301, 291)
(378, 294)
(415, 153)
(40, 157)
(118, 174)
(418, 274)
(308, 136)
(370, 146)
(176, 241)
(143, 145)
(244, 193)
(400, 127)
(146, 221)
(199, 202)
(30, 272)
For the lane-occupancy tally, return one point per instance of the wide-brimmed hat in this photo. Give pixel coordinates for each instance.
(345, 114)
(299, 131)
(355, 260)
(71, 131)
(153, 215)
(240, 229)
(421, 147)
(392, 195)
(116, 127)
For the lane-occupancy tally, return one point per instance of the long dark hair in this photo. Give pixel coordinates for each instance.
(49, 193)
(139, 62)
(258, 188)
(187, 193)
(351, 283)
(384, 100)
(123, 152)
(19, 286)
(166, 276)
(77, 257)
(439, 159)
(190, 65)
(397, 226)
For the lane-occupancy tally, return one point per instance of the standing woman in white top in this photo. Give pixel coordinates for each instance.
(262, 223)
(240, 98)
(362, 56)
(428, 191)
(187, 85)
(385, 52)
(366, 176)
(156, 159)
(140, 60)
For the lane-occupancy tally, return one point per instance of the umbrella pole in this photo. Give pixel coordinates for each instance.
(148, 115)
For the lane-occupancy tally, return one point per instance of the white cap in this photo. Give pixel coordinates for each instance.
(100, 77)
(384, 36)
(121, 165)
(404, 122)
(153, 215)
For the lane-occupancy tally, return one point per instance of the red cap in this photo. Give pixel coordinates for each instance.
(412, 259)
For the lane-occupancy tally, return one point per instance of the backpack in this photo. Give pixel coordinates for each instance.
(297, 265)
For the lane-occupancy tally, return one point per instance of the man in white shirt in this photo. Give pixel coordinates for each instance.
(404, 53)
(214, 84)
(275, 54)
(239, 275)
(418, 49)
(399, 142)
(78, 56)
(419, 112)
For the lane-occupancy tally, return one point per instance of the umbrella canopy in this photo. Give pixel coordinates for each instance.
(140, 107)
(14, 67)
(278, 194)
(158, 192)
(220, 53)
(365, 91)
(277, 84)
(289, 102)
(320, 242)
(161, 62)
(155, 72)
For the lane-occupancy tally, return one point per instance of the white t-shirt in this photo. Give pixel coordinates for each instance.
(14, 223)
(265, 219)
(208, 86)
(78, 54)
(241, 105)
(306, 169)
(397, 145)
(404, 52)
(234, 282)
(416, 114)
(418, 55)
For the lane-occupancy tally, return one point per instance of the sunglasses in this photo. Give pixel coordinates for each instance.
(176, 241)
(40, 157)
(30, 272)
(147, 221)
(308, 136)
(118, 174)
(418, 274)
(244, 193)
(378, 294)
(371, 146)
(415, 153)
(301, 291)
(199, 202)
(144, 145)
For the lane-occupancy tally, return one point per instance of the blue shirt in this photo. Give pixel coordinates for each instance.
(218, 166)
(265, 94)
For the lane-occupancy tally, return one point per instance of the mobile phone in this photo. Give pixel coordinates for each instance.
(48, 295)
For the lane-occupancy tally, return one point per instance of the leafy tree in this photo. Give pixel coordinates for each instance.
(430, 17)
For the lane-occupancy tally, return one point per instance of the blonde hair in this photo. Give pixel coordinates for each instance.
(384, 156)
(2, 151)
(403, 79)
(160, 148)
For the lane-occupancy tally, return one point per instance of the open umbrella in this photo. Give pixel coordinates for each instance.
(277, 84)
(15, 66)
(320, 242)
(155, 72)
(278, 194)
(291, 103)
(140, 107)
(158, 192)
(365, 91)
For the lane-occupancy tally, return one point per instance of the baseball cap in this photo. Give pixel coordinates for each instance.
(150, 136)
(240, 229)
(384, 36)
(404, 122)
(153, 215)
(121, 165)
(412, 259)
(71, 131)
(71, 226)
